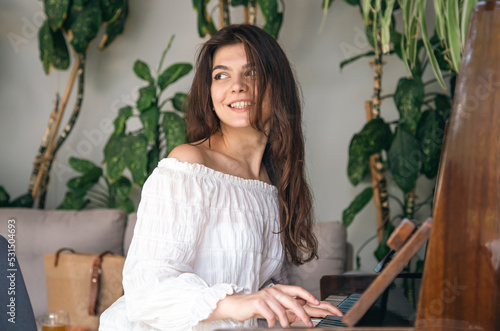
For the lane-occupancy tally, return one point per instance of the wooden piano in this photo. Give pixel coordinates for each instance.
(461, 282)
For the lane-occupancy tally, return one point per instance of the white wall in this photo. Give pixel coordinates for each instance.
(334, 100)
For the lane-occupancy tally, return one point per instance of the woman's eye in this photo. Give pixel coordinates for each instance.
(220, 76)
(252, 72)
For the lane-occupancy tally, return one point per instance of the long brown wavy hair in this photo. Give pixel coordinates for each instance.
(284, 153)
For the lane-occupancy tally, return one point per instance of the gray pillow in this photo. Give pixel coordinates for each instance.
(331, 257)
(39, 232)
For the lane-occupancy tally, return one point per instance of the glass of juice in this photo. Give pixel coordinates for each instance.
(53, 321)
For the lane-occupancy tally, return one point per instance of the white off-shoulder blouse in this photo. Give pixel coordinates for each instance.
(200, 235)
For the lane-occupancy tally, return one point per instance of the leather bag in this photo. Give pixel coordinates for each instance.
(83, 284)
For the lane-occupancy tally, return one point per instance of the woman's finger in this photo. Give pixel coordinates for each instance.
(291, 303)
(323, 309)
(297, 291)
(279, 311)
(266, 312)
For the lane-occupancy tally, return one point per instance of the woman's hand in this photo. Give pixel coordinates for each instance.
(322, 310)
(279, 302)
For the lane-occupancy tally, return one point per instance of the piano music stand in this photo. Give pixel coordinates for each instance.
(385, 278)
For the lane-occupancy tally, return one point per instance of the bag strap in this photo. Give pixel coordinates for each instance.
(94, 283)
(59, 251)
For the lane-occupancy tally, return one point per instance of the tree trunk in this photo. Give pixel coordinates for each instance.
(252, 11)
(381, 199)
(223, 13)
(45, 156)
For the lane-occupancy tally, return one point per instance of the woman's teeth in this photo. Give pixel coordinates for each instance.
(241, 104)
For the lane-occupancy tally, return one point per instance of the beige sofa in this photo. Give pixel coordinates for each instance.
(39, 232)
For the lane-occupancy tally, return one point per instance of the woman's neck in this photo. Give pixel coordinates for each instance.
(244, 149)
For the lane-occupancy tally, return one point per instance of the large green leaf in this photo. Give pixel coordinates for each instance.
(46, 45)
(377, 135)
(81, 165)
(180, 102)
(83, 28)
(23, 201)
(271, 15)
(121, 187)
(430, 134)
(79, 4)
(443, 105)
(153, 158)
(127, 205)
(4, 197)
(124, 114)
(53, 49)
(205, 24)
(150, 118)
(137, 157)
(115, 28)
(60, 55)
(115, 155)
(173, 73)
(146, 97)
(404, 159)
(409, 97)
(74, 200)
(358, 165)
(111, 9)
(235, 3)
(86, 181)
(174, 128)
(356, 206)
(142, 71)
(56, 11)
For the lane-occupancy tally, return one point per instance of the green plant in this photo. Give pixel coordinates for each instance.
(77, 23)
(269, 8)
(405, 149)
(452, 20)
(138, 151)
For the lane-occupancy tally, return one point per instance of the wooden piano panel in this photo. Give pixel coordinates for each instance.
(460, 287)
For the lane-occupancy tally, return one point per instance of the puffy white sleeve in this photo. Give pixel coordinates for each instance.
(160, 287)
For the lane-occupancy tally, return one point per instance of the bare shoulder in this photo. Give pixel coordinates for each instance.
(188, 153)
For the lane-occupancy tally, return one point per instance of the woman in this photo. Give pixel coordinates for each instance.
(219, 216)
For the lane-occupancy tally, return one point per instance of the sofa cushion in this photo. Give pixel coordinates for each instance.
(39, 232)
(331, 257)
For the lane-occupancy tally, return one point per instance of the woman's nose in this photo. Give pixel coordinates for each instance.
(239, 85)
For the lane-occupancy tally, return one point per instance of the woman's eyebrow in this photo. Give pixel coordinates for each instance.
(223, 67)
